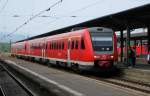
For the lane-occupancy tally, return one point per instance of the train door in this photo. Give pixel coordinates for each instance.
(46, 49)
(43, 50)
(29, 48)
(76, 49)
(25, 49)
(68, 53)
(43, 47)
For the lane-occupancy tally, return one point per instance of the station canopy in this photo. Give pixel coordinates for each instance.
(138, 17)
(135, 36)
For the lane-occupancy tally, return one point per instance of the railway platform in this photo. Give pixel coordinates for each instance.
(140, 72)
(65, 82)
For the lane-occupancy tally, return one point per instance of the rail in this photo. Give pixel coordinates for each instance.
(125, 83)
(23, 86)
(2, 93)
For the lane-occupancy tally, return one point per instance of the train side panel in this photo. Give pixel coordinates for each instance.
(73, 49)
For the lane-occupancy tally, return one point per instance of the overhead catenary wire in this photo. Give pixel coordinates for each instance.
(38, 15)
(85, 7)
(3, 7)
(74, 11)
(30, 19)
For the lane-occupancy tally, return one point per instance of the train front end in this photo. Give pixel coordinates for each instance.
(104, 47)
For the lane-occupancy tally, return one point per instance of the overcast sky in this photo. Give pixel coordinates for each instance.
(59, 16)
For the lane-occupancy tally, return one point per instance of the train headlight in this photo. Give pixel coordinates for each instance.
(96, 57)
(111, 56)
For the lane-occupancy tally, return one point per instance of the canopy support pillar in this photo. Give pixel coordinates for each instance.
(127, 45)
(121, 44)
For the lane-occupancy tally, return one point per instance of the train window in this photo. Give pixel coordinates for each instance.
(62, 45)
(68, 44)
(76, 44)
(72, 46)
(40, 45)
(50, 45)
(45, 46)
(31, 46)
(59, 45)
(82, 44)
(25, 47)
(55, 45)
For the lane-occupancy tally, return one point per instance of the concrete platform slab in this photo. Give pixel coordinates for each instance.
(76, 84)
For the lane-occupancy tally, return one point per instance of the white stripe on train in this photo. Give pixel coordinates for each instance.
(62, 60)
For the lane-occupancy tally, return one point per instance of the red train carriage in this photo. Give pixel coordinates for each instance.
(84, 49)
(18, 48)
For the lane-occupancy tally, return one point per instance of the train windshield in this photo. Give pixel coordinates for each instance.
(102, 42)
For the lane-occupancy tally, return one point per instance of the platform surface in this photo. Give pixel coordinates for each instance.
(81, 84)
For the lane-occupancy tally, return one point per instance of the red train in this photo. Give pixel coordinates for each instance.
(87, 48)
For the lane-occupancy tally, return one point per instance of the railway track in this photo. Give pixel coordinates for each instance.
(2, 92)
(11, 85)
(127, 84)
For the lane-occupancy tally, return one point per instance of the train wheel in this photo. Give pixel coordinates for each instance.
(46, 62)
(40, 61)
(75, 67)
(50, 64)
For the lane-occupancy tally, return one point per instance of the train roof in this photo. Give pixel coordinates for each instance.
(94, 29)
(134, 18)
